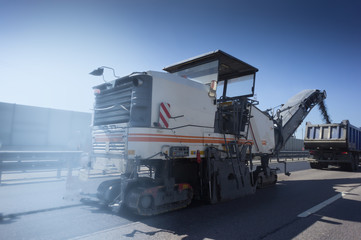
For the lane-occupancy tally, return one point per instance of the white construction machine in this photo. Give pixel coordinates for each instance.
(189, 133)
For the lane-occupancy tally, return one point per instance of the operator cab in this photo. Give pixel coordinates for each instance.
(231, 81)
(228, 77)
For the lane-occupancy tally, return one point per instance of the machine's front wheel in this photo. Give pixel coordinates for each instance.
(314, 165)
(109, 190)
(146, 202)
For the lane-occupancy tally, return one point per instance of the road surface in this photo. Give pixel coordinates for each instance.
(310, 204)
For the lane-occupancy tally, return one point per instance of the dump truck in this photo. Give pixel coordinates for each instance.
(336, 144)
(190, 132)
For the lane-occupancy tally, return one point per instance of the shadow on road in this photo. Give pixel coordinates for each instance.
(9, 218)
(258, 216)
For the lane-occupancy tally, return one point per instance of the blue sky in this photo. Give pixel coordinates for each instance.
(49, 47)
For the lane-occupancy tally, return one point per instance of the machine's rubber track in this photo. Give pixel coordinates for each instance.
(164, 208)
(155, 207)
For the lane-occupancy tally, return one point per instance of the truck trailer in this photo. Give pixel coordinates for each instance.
(190, 132)
(337, 144)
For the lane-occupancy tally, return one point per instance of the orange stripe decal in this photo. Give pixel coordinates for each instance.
(148, 137)
(181, 139)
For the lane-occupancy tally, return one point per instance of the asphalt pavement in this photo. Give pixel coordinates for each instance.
(50, 208)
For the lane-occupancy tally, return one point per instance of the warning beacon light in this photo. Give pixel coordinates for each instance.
(100, 72)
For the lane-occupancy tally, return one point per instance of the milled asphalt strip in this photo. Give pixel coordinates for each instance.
(321, 205)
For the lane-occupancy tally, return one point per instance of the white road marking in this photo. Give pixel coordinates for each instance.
(321, 205)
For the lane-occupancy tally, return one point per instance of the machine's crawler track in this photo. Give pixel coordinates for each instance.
(158, 199)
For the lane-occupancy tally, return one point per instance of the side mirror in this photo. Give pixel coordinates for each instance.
(212, 89)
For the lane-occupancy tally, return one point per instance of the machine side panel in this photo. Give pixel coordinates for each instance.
(149, 142)
(188, 100)
(262, 132)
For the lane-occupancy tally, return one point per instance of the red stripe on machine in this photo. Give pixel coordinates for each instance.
(165, 109)
(164, 122)
(164, 115)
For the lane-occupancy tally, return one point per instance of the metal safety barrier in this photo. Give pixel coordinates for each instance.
(294, 154)
(36, 160)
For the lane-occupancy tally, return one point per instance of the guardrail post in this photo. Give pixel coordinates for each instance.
(70, 167)
(60, 165)
(58, 172)
(1, 168)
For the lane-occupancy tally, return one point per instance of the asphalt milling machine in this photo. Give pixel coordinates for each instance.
(190, 132)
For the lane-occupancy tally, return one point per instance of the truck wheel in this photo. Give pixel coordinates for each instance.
(345, 166)
(314, 165)
(323, 165)
(353, 165)
(259, 182)
(356, 161)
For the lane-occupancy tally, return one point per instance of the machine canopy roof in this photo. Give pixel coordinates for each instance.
(228, 66)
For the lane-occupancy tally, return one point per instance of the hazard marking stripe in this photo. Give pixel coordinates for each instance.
(165, 122)
(165, 109)
(164, 115)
